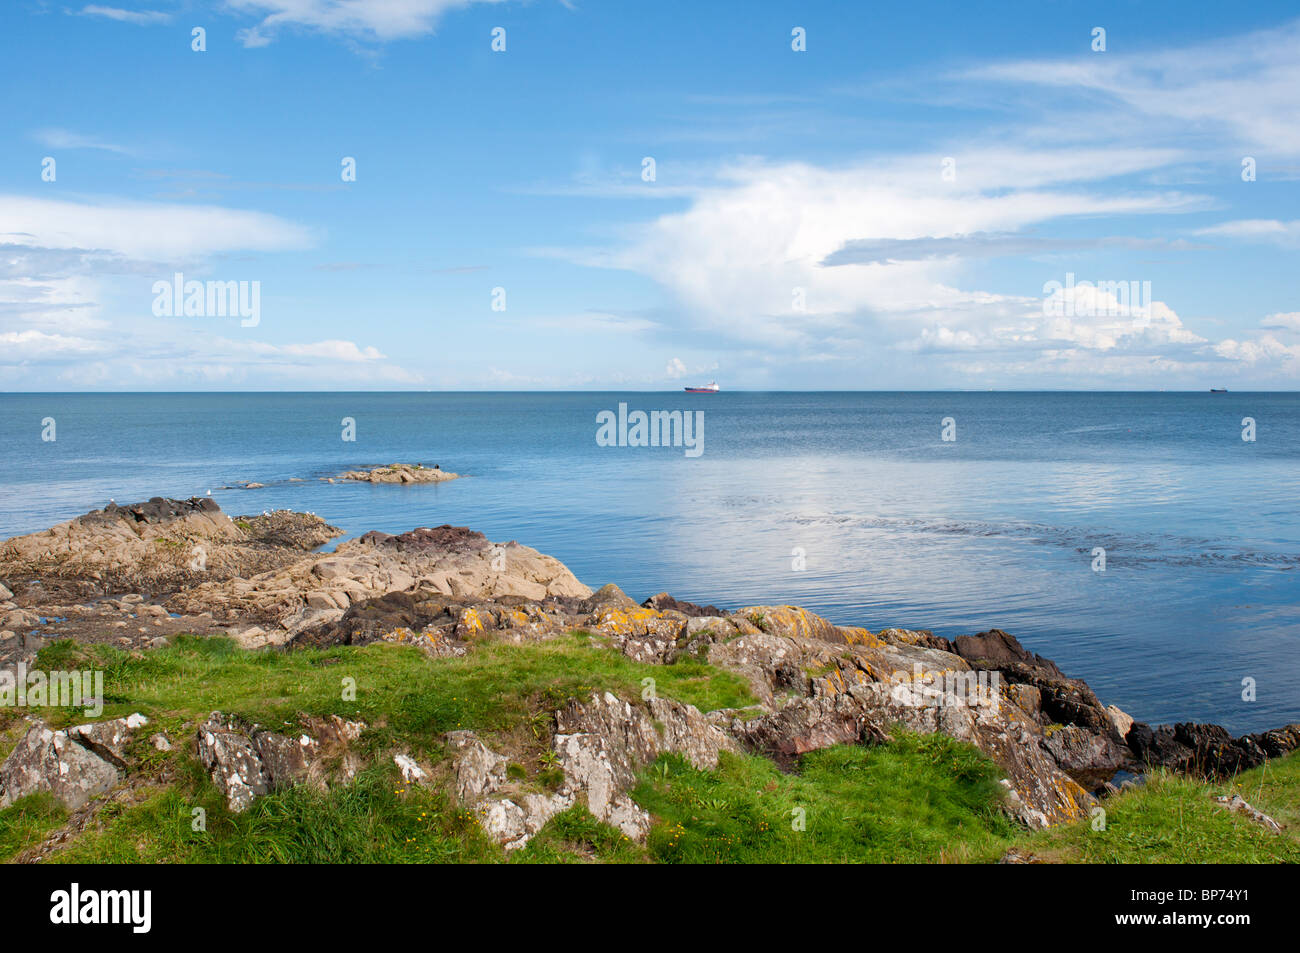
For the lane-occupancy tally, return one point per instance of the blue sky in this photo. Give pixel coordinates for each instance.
(800, 232)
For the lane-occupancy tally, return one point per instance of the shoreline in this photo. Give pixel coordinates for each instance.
(139, 576)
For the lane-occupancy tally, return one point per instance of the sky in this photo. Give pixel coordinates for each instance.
(642, 196)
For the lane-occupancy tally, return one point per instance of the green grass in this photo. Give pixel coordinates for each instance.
(576, 837)
(405, 697)
(372, 820)
(27, 821)
(917, 799)
(1174, 820)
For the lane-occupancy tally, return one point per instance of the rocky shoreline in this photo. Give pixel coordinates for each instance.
(135, 576)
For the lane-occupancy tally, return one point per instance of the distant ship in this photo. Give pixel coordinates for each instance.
(710, 388)
(1218, 390)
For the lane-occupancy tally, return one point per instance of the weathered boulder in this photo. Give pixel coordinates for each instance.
(604, 741)
(232, 759)
(666, 603)
(109, 739)
(643, 635)
(997, 649)
(1240, 805)
(72, 765)
(246, 761)
(478, 771)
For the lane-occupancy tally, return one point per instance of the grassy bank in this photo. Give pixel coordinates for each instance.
(917, 799)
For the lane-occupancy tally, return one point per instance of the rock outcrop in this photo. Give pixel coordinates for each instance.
(72, 765)
(1209, 751)
(601, 744)
(401, 473)
(160, 546)
(246, 761)
(442, 562)
(445, 589)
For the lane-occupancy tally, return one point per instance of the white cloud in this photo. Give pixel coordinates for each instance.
(145, 230)
(371, 20)
(747, 258)
(1287, 320)
(1271, 231)
(676, 369)
(33, 345)
(332, 351)
(1241, 87)
(1266, 349)
(64, 139)
(139, 17)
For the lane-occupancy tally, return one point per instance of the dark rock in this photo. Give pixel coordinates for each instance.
(996, 649)
(1090, 758)
(1208, 750)
(608, 596)
(440, 539)
(159, 509)
(663, 602)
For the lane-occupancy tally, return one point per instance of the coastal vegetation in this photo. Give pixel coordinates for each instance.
(915, 798)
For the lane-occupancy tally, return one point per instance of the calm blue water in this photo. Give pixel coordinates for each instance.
(1201, 529)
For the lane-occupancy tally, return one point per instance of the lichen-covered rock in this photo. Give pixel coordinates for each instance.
(445, 563)
(1088, 757)
(643, 635)
(246, 761)
(233, 761)
(1240, 805)
(604, 741)
(601, 744)
(478, 771)
(109, 739)
(72, 765)
(512, 821)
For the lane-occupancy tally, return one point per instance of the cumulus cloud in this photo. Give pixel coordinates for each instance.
(762, 257)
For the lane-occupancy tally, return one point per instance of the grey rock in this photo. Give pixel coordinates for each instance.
(67, 764)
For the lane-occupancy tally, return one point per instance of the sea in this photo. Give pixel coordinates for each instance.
(1149, 543)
